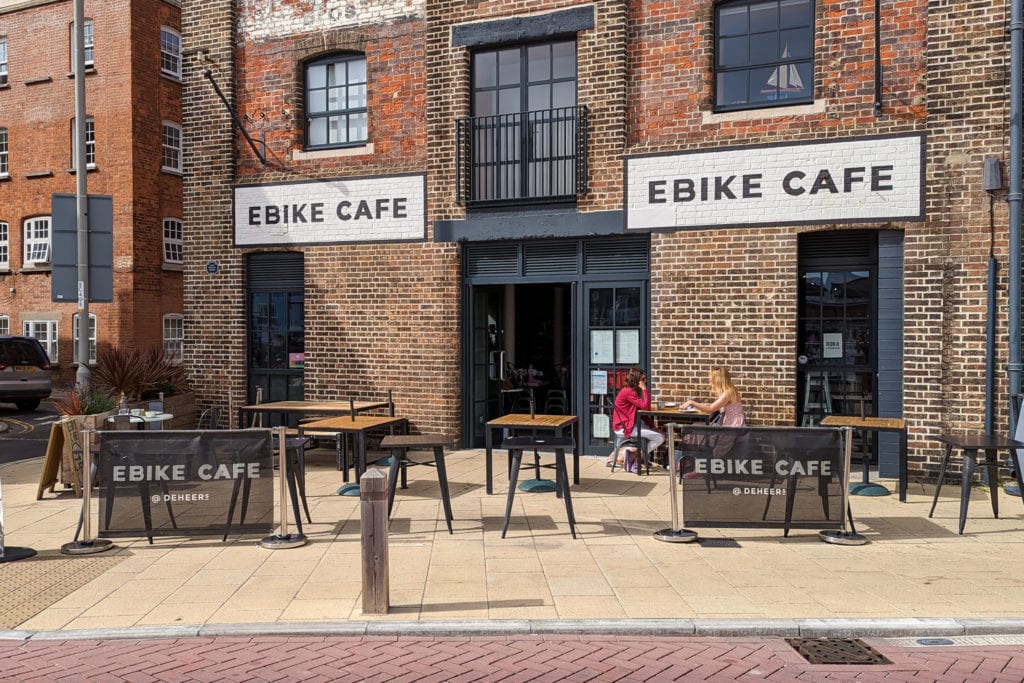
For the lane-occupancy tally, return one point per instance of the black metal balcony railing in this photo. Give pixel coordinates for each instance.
(530, 156)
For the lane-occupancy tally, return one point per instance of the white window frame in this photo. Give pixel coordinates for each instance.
(5, 246)
(92, 338)
(5, 168)
(173, 241)
(171, 147)
(5, 325)
(90, 143)
(3, 60)
(90, 52)
(174, 336)
(170, 52)
(45, 332)
(33, 241)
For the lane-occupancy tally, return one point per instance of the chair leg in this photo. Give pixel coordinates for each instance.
(442, 482)
(231, 508)
(970, 458)
(942, 475)
(562, 477)
(515, 455)
(300, 475)
(396, 457)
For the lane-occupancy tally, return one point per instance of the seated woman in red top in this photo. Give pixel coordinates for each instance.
(631, 398)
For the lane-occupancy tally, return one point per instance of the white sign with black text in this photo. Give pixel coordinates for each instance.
(843, 181)
(377, 209)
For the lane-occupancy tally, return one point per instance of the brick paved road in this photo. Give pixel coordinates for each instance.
(488, 658)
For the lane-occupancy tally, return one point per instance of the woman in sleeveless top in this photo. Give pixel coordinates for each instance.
(728, 401)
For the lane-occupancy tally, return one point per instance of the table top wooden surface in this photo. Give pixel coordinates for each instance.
(675, 412)
(538, 420)
(894, 423)
(978, 441)
(338, 407)
(351, 423)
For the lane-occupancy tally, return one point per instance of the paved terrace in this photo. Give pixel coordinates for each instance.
(913, 567)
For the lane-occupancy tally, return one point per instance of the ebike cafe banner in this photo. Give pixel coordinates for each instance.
(183, 483)
(849, 180)
(772, 477)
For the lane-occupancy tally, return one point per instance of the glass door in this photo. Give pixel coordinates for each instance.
(276, 346)
(488, 367)
(835, 362)
(614, 340)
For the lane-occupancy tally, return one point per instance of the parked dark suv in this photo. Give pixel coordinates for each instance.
(24, 372)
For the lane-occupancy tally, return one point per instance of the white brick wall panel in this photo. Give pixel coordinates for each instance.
(331, 211)
(774, 206)
(266, 19)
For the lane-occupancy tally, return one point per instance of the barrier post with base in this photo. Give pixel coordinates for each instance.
(674, 534)
(283, 538)
(88, 545)
(844, 536)
(11, 553)
(373, 538)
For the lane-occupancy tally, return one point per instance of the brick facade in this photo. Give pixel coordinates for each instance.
(388, 315)
(128, 98)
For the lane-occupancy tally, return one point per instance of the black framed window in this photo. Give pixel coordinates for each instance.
(764, 53)
(524, 78)
(336, 91)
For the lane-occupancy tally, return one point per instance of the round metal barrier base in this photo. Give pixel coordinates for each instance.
(12, 553)
(839, 537)
(868, 489)
(537, 486)
(349, 490)
(279, 542)
(675, 535)
(86, 547)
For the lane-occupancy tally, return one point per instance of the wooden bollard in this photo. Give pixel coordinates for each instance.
(373, 526)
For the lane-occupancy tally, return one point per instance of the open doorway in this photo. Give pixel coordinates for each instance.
(521, 348)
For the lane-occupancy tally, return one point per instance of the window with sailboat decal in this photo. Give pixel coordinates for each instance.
(764, 53)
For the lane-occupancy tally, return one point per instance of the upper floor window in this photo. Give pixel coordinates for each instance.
(92, 337)
(5, 325)
(3, 60)
(524, 78)
(4, 169)
(764, 53)
(87, 43)
(526, 138)
(174, 336)
(170, 52)
(336, 101)
(171, 156)
(90, 143)
(5, 246)
(37, 240)
(45, 332)
(173, 241)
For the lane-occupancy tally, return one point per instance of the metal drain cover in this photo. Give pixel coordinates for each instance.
(718, 543)
(837, 651)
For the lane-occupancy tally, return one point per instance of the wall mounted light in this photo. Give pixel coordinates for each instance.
(992, 180)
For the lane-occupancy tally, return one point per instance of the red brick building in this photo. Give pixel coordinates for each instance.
(133, 103)
(789, 188)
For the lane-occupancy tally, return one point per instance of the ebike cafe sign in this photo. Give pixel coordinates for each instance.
(174, 483)
(846, 181)
(373, 209)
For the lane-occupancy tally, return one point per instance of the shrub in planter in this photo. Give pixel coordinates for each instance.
(139, 373)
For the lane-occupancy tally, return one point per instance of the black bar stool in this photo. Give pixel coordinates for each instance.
(400, 445)
(540, 444)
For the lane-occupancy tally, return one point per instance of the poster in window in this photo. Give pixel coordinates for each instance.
(832, 345)
(598, 382)
(628, 347)
(601, 346)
